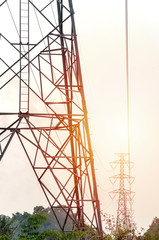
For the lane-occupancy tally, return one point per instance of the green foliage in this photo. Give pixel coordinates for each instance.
(121, 234)
(4, 237)
(107, 237)
(147, 236)
(30, 229)
(18, 221)
(57, 235)
(42, 225)
(5, 227)
(153, 231)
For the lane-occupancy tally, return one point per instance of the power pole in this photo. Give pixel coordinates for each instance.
(123, 193)
(51, 119)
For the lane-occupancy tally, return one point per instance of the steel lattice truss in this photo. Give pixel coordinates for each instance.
(50, 117)
(124, 193)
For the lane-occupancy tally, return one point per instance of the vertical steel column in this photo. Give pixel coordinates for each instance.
(81, 89)
(69, 108)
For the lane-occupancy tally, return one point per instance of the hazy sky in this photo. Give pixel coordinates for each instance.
(101, 34)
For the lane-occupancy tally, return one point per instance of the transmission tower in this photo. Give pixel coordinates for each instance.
(124, 194)
(49, 116)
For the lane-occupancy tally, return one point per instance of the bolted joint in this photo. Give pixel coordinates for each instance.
(23, 115)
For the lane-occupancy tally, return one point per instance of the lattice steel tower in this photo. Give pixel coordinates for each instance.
(123, 192)
(48, 113)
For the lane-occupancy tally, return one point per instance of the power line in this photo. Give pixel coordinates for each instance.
(125, 195)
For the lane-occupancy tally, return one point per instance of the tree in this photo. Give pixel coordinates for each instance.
(122, 234)
(5, 226)
(4, 237)
(30, 230)
(153, 231)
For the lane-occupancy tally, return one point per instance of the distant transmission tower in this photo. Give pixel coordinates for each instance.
(124, 194)
(48, 112)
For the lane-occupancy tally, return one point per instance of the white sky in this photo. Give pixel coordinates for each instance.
(100, 29)
(102, 43)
